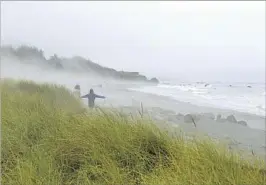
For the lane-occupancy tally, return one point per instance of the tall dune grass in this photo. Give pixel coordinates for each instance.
(49, 139)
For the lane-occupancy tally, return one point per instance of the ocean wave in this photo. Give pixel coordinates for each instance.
(219, 96)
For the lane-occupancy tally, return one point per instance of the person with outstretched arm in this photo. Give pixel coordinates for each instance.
(91, 98)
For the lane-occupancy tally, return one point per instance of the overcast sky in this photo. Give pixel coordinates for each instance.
(222, 41)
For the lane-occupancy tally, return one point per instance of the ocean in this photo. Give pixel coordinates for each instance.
(242, 97)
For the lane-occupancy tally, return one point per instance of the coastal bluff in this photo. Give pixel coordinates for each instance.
(78, 64)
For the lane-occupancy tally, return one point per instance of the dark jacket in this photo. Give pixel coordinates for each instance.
(91, 98)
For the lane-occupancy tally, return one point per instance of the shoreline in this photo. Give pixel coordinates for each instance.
(210, 107)
(213, 106)
(126, 97)
(167, 112)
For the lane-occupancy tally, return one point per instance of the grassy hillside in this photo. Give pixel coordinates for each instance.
(49, 139)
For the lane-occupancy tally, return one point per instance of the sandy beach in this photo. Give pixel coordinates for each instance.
(171, 114)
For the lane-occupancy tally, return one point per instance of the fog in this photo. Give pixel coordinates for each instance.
(39, 70)
(211, 41)
(15, 69)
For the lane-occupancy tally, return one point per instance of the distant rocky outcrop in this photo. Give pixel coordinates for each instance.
(231, 119)
(77, 64)
(244, 123)
(191, 118)
(154, 80)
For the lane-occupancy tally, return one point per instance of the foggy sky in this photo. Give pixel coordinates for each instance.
(218, 41)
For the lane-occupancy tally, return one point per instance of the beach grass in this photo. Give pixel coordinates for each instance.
(49, 138)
